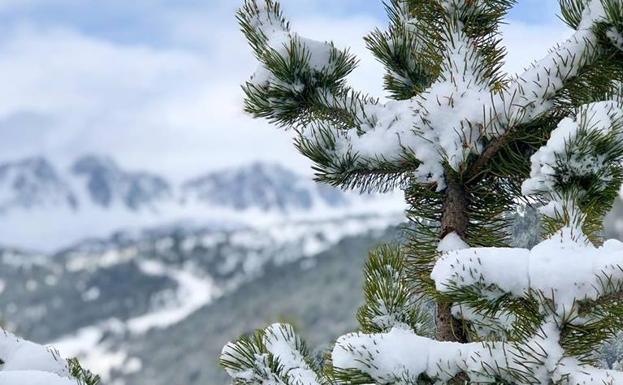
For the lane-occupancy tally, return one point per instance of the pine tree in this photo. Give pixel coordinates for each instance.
(468, 144)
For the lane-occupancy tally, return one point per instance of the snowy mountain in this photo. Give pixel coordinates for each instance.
(46, 207)
(107, 184)
(262, 186)
(98, 181)
(33, 183)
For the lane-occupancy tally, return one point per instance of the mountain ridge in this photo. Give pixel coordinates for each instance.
(46, 208)
(265, 186)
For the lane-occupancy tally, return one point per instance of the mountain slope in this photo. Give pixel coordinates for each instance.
(107, 184)
(103, 293)
(33, 183)
(319, 298)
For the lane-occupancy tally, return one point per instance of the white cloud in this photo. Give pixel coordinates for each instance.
(172, 109)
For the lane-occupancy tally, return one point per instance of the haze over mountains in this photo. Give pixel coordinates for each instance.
(44, 207)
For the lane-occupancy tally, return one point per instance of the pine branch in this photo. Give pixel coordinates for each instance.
(390, 301)
(83, 376)
(301, 84)
(275, 355)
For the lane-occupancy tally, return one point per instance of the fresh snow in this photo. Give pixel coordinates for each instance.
(402, 356)
(280, 342)
(451, 242)
(456, 117)
(63, 209)
(26, 363)
(561, 152)
(57, 228)
(459, 112)
(307, 238)
(538, 271)
(616, 38)
(89, 346)
(193, 292)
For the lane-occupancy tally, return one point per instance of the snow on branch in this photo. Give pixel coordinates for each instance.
(297, 77)
(575, 149)
(585, 375)
(443, 124)
(301, 83)
(273, 356)
(26, 363)
(565, 269)
(616, 38)
(400, 356)
(531, 94)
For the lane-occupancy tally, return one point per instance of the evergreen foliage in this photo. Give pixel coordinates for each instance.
(468, 144)
(83, 376)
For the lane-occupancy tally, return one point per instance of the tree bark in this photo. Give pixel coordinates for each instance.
(448, 327)
(454, 219)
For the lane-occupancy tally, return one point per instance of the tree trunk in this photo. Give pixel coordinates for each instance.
(454, 219)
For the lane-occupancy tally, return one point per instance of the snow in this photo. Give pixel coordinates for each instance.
(278, 243)
(530, 95)
(33, 378)
(560, 155)
(443, 124)
(451, 242)
(577, 375)
(87, 344)
(616, 38)
(91, 294)
(594, 12)
(279, 39)
(57, 228)
(26, 363)
(456, 116)
(538, 271)
(192, 294)
(400, 356)
(280, 343)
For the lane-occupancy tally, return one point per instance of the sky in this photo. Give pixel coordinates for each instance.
(155, 84)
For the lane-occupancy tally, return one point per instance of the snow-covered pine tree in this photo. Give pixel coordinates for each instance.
(468, 144)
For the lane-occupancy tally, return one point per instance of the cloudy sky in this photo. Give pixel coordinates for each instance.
(155, 83)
